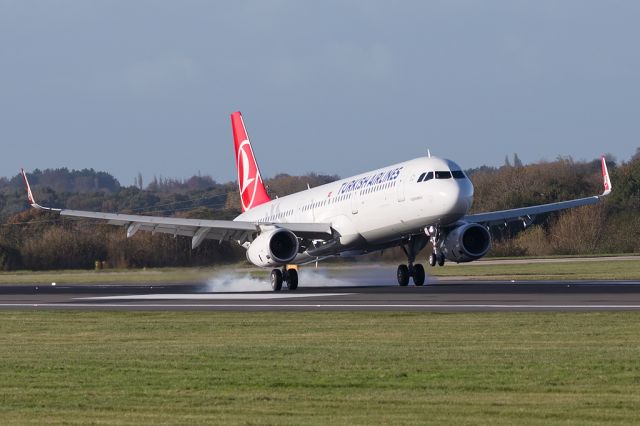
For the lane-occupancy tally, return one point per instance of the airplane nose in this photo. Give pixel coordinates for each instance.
(456, 197)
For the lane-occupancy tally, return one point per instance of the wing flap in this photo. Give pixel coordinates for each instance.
(218, 229)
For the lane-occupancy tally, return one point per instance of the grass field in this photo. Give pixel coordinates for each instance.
(561, 270)
(154, 275)
(555, 269)
(319, 368)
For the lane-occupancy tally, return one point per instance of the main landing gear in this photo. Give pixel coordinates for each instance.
(415, 271)
(289, 276)
(411, 271)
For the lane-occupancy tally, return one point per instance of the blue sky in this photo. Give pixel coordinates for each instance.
(332, 87)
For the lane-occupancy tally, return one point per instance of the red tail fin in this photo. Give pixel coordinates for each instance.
(252, 190)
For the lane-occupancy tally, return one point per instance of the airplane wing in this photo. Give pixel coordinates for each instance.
(198, 229)
(525, 214)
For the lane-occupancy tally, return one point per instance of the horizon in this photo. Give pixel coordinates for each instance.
(158, 179)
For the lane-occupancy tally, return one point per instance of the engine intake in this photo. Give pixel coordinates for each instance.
(466, 242)
(275, 247)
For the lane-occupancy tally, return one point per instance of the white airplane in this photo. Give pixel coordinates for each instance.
(404, 205)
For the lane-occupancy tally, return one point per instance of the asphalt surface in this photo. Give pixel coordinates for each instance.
(449, 296)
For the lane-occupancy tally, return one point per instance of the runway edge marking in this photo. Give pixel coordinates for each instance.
(213, 296)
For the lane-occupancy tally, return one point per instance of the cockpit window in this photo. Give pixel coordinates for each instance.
(443, 175)
(425, 177)
(457, 174)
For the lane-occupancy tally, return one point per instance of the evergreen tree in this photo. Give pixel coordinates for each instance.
(516, 161)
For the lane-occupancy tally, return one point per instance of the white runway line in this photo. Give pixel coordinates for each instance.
(214, 296)
(312, 305)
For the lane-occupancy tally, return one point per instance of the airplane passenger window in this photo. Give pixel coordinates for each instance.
(457, 174)
(443, 175)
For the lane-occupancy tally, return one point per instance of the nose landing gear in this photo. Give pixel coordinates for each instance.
(436, 257)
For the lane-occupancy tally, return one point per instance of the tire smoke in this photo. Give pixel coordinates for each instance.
(358, 276)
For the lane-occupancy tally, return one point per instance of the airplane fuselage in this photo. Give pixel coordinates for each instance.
(379, 206)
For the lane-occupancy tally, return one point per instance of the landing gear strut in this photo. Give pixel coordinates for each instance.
(289, 276)
(415, 271)
(436, 257)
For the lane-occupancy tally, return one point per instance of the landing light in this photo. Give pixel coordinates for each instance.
(430, 230)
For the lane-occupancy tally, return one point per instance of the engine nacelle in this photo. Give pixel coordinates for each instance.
(467, 242)
(275, 247)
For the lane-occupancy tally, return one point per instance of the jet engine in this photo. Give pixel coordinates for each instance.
(466, 242)
(275, 247)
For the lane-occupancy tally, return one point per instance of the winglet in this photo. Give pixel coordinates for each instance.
(30, 198)
(605, 178)
(32, 202)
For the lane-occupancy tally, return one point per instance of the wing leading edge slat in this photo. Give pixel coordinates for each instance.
(499, 217)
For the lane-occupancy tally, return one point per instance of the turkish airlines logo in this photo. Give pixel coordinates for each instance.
(248, 175)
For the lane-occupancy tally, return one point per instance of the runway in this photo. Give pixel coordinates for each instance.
(442, 296)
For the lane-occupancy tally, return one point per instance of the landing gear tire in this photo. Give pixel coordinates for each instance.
(276, 280)
(440, 259)
(418, 274)
(292, 279)
(403, 275)
(433, 259)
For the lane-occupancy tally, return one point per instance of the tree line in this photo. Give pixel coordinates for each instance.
(37, 240)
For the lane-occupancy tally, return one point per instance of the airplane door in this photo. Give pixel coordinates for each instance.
(400, 189)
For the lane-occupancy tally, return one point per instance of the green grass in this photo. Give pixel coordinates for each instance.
(319, 368)
(563, 269)
(152, 275)
(569, 270)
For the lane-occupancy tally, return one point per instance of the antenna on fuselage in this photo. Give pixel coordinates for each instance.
(428, 153)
